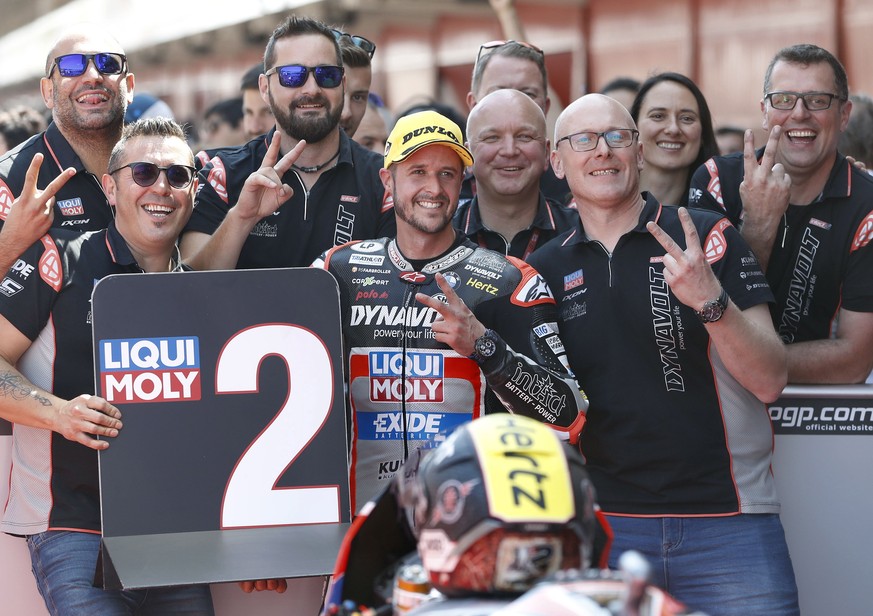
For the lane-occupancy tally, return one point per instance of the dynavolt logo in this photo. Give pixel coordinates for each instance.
(150, 369)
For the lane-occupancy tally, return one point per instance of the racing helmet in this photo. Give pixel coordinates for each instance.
(499, 505)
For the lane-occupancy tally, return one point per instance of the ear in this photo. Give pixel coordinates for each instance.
(264, 87)
(764, 123)
(108, 183)
(548, 105)
(845, 112)
(385, 176)
(47, 90)
(471, 100)
(640, 160)
(130, 82)
(557, 165)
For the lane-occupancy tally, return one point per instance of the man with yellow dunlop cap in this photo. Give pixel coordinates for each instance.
(437, 330)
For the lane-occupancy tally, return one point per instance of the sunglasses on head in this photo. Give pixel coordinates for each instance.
(146, 174)
(358, 41)
(491, 45)
(295, 75)
(74, 64)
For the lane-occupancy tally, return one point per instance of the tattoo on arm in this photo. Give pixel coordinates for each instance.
(17, 388)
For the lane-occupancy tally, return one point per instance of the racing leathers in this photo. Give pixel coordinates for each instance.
(408, 391)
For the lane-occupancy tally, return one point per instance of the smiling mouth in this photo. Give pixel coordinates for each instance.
(158, 211)
(670, 145)
(805, 135)
(92, 98)
(605, 172)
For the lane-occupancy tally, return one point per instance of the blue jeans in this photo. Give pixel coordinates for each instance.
(64, 563)
(723, 566)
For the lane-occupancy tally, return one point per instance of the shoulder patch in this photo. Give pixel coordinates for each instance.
(50, 264)
(714, 185)
(864, 233)
(715, 245)
(6, 199)
(217, 178)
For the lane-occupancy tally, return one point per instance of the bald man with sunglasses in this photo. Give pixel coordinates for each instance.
(336, 195)
(87, 86)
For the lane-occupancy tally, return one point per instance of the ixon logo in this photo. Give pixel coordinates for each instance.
(150, 369)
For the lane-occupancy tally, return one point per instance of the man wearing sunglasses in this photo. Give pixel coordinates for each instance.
(664, 317)
(357, 53)
(335, 196)
(87, 86)
(808, 214)
(46, 365)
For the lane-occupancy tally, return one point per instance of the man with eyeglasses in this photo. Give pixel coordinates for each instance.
(335, 195)
(663, 312)
(808, 215)
(46, 367)
(87, 86)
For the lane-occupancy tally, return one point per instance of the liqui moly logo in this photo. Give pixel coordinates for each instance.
(415, 377)
(150, 369)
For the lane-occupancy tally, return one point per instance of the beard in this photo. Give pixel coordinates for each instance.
(72, 118)
(312, 129)
(406, 212)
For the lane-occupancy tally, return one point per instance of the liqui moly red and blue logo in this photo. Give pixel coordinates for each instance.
(150, 369)
(423, 373)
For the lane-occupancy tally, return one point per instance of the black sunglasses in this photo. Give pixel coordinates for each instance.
(74, 64)
(492, 45)
(295, 75)
(146, 174)
(358, 41)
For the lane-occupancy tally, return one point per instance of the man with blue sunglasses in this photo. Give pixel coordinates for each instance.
(87, 86)
(336, 195)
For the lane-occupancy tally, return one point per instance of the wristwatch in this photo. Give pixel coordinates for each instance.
(485, 346)
(714, 308)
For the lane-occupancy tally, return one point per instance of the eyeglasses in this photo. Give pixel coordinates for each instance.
(295, 75)
(146, 174)
(814, 101)
(588, 140)
(74, 64)
(495, 44)
(358, 41)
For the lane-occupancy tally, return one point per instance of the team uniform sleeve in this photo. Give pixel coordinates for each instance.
(857, 288)
(28, 300)
(529, 374)
(736, 266)
(211, 202)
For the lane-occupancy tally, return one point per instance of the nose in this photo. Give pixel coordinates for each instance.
(508, 145)
(602, 148)
(672, 125)
(800, 111)
(91, 71)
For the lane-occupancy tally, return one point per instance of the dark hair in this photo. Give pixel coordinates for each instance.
(708, 144)
(511, 49)
(806, 54)
(249, 80)
(18, 123)
(621, 83)
(353, 56)
(149, 127)
(857, 140)
(229, 110)
(729, 130)
(297, 26)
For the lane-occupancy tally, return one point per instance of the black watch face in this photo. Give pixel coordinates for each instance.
(711, 312)
(485, 347)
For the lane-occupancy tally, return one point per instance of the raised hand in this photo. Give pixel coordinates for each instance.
(765, 191)
(264, 191)
(687, 272)
(456, 325)
(31, 214)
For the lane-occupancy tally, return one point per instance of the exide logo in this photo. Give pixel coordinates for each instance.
(150, 369)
